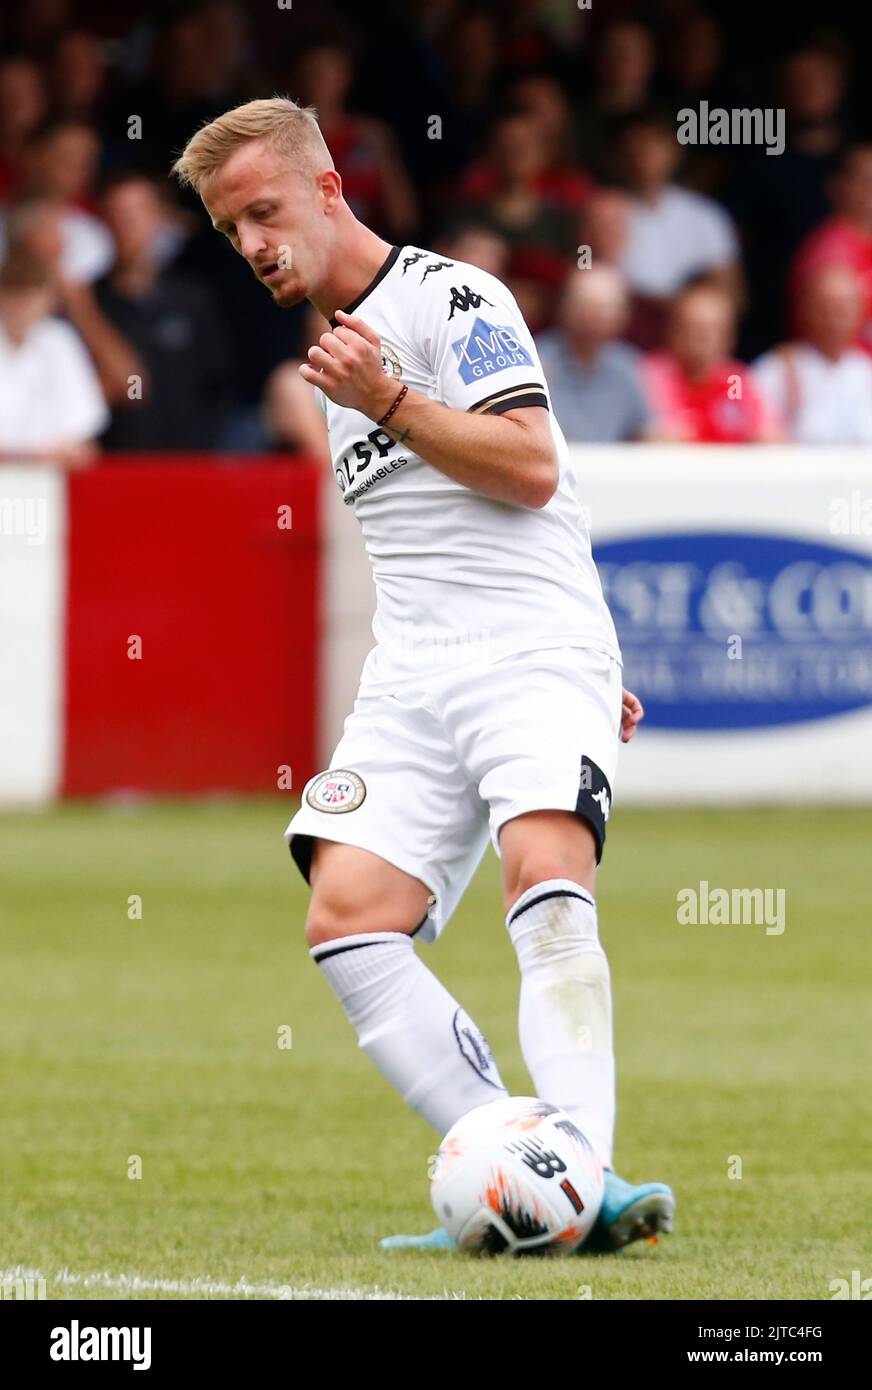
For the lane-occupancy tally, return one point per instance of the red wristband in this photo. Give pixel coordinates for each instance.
(400, 394)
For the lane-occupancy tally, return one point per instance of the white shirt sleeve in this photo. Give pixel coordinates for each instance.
(718, 243)
(79, 410)
(768, 374)
(477, 344)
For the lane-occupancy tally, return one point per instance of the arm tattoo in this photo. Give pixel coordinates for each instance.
(402, 435)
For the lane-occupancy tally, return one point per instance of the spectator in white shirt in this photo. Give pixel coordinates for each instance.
(821, 385)
(673, 235)
(51, 405)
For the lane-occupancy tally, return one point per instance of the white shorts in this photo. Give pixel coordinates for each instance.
(422, 775)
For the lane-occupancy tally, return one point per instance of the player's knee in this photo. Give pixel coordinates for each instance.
(326, 922)
(356, 892)
(333, 915)
(542, 868)
(540, 851)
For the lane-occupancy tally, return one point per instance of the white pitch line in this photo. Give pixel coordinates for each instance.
(134, 1284)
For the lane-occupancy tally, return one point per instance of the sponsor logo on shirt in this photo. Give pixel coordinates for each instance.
(489, 348)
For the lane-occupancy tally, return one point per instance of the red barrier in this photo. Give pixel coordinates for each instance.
(191, 558)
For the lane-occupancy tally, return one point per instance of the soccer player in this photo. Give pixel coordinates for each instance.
(492, 703)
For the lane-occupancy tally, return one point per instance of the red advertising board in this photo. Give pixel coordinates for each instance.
(191, 625)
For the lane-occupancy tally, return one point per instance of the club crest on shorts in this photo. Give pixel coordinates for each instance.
(336, 791)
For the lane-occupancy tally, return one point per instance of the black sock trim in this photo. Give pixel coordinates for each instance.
(543, 897)
(338, 950)
(361, 945)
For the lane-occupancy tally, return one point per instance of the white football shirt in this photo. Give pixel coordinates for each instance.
(459, 575)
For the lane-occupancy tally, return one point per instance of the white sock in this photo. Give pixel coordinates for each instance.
(565, 1013)
(408, 1024)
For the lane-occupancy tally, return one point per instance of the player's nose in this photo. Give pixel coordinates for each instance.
(252, 243)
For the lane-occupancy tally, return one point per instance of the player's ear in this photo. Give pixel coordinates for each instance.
(330, 188)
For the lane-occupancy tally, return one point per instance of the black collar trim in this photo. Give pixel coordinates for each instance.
(380, 274)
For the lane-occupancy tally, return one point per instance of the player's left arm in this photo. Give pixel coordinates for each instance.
(509, 456)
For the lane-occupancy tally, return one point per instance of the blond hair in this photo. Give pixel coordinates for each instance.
(290, 129)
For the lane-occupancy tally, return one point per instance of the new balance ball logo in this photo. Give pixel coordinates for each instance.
(544, 1162)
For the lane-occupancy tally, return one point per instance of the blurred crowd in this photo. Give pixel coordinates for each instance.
(686, 292)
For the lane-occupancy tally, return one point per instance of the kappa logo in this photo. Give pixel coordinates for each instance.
(435, 265)
(488, 348)
(409, 261)
(465, 298)
(602, 797)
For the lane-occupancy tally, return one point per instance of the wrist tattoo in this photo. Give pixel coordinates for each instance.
(403, 436)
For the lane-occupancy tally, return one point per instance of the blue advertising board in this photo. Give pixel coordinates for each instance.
(727, 631)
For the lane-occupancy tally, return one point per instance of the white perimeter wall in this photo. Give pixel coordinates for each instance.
(32, 602)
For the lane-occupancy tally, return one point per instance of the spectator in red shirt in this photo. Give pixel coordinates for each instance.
(845, 239)
(699, 393)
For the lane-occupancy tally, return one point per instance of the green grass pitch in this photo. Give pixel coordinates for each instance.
(282, 1167)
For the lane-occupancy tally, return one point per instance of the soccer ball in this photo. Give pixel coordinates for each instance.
(516, 1175)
